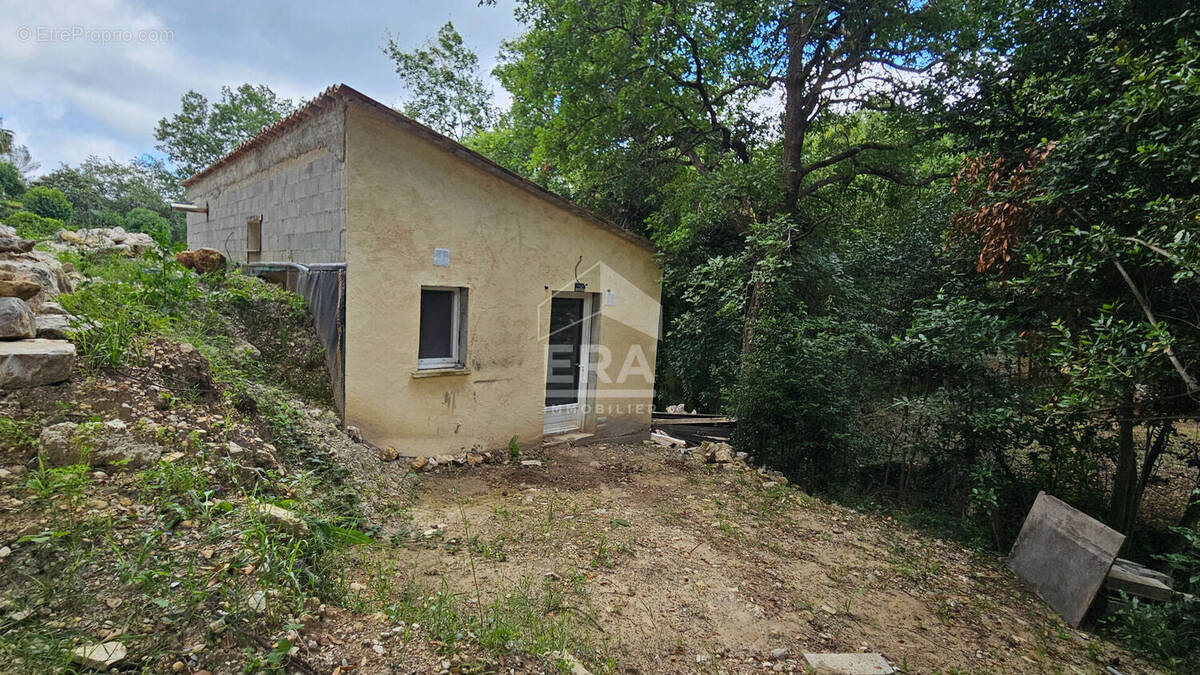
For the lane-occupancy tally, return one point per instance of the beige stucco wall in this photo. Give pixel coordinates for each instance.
(295, 182)
(406, 197)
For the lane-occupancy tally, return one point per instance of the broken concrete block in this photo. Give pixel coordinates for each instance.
(669, 441)
(1134, 580)
(101, 657)
(1065, 555)
(1144, 571)
(849, 664)
(282, 517)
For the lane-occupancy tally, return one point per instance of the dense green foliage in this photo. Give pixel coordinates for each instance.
(201, 133)
(11, 184)
(133, 195)
(32, 226)
(938, 255)
(879, 329)
(445, 91)
(47, 202)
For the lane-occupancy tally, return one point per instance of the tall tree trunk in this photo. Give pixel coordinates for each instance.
(752, 307)
(1157, 445)
(1123, 505)
(1191, 515)
(795, 123)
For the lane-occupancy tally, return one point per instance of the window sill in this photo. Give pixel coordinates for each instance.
(440, 372)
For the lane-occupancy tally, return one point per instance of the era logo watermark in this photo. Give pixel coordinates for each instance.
(617, 358)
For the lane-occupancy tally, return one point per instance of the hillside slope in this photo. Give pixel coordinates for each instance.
(189, 499)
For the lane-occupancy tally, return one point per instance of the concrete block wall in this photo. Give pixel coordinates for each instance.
(296, 182)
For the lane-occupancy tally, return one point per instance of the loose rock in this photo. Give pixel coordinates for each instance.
(16, 319)
(100, 656)
(13, 285)
(202, 260)
(257, 602)
(14, 244)
(283, 517)
(716, 453)
(53, 326)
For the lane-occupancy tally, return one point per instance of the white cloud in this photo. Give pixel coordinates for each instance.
(82, 77)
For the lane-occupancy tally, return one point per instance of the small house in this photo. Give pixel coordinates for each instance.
(472, 306)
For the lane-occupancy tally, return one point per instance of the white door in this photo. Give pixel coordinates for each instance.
(567, 362)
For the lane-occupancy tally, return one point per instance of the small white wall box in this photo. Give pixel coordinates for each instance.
(610, 298)
(441, 257)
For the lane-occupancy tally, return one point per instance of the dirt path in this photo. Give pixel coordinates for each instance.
(671, 565)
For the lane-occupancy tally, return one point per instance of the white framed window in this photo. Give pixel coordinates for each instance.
(442, 342)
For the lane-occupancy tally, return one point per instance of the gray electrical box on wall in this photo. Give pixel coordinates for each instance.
(441, 257)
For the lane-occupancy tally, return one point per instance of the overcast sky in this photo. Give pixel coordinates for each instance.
(67, 93)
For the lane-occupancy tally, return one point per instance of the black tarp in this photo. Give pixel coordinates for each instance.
(323, 287)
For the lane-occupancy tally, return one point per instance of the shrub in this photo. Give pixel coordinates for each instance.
(128, 300)
(8, 207)
(32, 226)
(1170, 631)
(11, 183)
(143, 219)
(47, 203)
(109, 220)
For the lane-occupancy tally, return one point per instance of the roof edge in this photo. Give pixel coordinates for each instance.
(344, 92)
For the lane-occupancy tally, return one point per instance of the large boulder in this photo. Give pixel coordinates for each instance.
(68, 443)
(14, 244)
(106, 240)
(51, 308)
(39, 267)
(32, 363)
(53, 326)
(13, 285)
(16, 320)
(202, 260)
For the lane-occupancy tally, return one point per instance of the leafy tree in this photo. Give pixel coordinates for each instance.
(201, 133)
(1093, 230)
(445, 90)
(20, 158)
(6, 138)
(47, 202)
(16, 155)
(733, 132)
(104, 191)
(11, 184)
(32, 226)
(143, 219)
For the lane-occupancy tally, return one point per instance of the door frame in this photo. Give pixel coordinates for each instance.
(572, 415)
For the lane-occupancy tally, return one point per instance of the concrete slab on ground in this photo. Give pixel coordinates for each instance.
(1065, 555)
(849, 664)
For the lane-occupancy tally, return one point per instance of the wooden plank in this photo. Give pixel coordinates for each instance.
(663, 439)
(706, 420)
